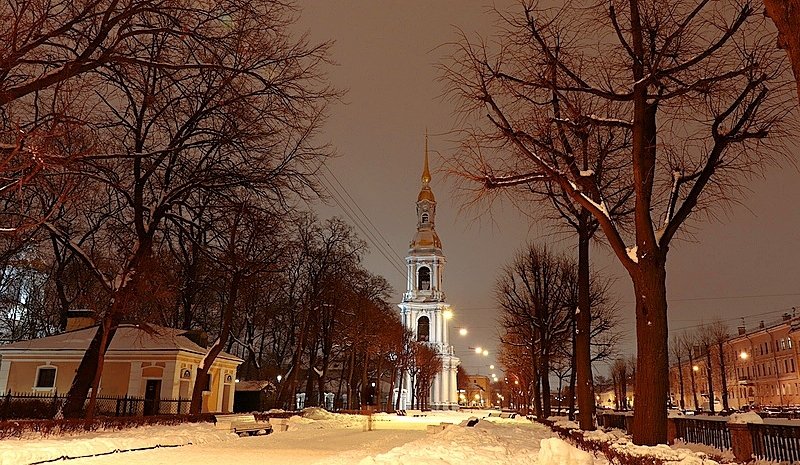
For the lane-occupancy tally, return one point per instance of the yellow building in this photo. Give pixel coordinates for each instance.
(155, 364)
(761, 369)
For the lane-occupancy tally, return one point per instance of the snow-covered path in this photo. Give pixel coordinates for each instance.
(302, 447)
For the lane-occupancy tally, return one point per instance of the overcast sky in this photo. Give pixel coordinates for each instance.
(746, 264)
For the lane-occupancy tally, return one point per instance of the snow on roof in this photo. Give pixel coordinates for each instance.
(127, 338)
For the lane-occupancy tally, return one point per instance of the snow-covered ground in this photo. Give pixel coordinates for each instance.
(318, 438)
(323, 438)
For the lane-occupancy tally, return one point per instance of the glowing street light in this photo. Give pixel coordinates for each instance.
(462, 331)
(280, 378)
(478, 350)
(491, 367)
(448, 314)
(485, 353)
(744, 355)
(695, 368)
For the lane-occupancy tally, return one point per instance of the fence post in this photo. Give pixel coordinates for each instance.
(179, 404)
(741, 442)
(672, 430)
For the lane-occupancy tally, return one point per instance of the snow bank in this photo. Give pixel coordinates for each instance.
(487, 443)
(556, 451)
(316, 413)
(747, 417)
(25, 451)
(664, 453)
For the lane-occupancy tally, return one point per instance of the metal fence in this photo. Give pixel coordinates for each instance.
(709, 431)
(46, 406)
(780, 443)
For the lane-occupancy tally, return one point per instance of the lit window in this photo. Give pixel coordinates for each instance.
(45, 378)
(425, 217)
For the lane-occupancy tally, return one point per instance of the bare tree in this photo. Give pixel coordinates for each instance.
(235, 108)
(689, 343)
(678, 350)
(720, 333)
(245, 247)
(705, 111)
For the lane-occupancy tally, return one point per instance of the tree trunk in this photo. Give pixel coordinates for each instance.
(692, 378)
(310, 374)
(573, 376)
(652, 363)
(724, 377)
(786, 16)
(710, 375)
(216, 347)
(545, 376)
(351, 372)
(680, 378)
(582, 335)
(400, 389)
(392, 382)
(537, 395)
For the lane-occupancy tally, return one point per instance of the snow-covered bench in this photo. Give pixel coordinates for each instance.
(416, 413)
(508, 415)
(241, 424)
(495, 414)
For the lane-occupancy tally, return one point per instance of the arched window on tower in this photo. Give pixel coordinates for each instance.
(423, 328)
(425, 218)
(424, 279)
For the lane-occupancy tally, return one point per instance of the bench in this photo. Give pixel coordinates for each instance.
(495, 414)
(242, 424)
(508, 415)
(415, 413)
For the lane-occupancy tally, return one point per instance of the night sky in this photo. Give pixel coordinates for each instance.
(745, 263)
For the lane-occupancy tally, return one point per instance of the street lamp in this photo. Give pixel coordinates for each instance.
(448, 314)
(744, 355)
(491, 367)
(485, 353)
(280, 378)
(478, 350)
(462, 331)
(695, 368)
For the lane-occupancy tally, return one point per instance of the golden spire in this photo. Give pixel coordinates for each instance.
(426, 174)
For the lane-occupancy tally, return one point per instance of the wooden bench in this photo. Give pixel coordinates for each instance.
(242, 424)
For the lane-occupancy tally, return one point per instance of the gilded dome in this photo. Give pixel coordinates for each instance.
(426, 194)
(426, 239)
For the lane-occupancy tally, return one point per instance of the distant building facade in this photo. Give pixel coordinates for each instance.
(761, 369)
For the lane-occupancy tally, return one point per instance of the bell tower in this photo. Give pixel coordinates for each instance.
(424, 308)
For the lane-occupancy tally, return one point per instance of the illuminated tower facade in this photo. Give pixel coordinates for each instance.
(424, 309)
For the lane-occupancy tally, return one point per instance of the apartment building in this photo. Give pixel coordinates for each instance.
(760, 367)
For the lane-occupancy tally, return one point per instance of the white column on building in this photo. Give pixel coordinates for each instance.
(135, 380)
(5, 369)
(170, 381)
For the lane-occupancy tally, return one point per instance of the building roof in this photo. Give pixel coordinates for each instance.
(128, 338)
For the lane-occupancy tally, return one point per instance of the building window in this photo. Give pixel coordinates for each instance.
(425, 218)
(424, 279)
(423, 328)
(45, 377)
